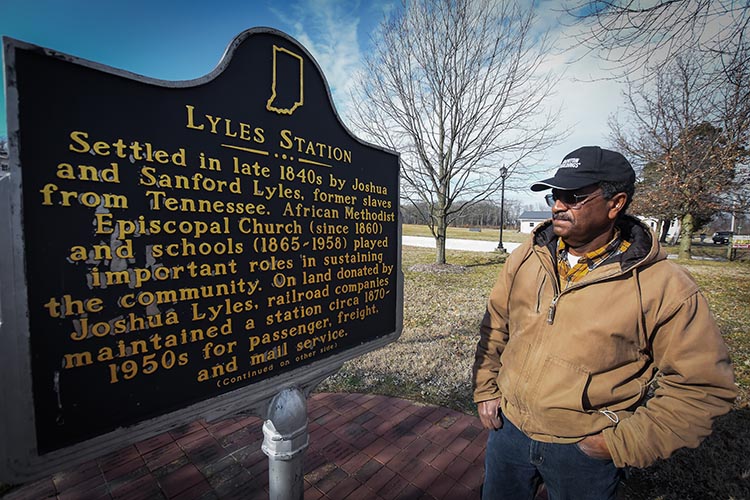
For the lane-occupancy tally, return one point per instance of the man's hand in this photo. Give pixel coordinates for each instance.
(489, 414)
(595, 446)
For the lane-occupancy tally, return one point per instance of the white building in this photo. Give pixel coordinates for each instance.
(674, 228)
(530, 219)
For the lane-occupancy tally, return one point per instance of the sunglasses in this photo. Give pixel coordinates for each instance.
(570, 200)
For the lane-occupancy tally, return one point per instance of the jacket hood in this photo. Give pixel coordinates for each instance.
(644, 245)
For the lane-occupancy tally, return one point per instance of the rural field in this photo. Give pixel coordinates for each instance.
(443, 306)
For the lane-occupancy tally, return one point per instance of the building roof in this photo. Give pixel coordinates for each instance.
(535, 215)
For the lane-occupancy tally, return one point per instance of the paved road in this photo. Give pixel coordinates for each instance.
(486, 246)
(457, 244)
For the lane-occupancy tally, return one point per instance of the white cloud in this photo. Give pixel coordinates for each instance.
(337, 38)
(587, 91)
(329, 30)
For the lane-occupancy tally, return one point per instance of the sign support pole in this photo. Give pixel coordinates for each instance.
(285, 439)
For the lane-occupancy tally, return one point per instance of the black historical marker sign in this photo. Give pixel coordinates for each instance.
(177, 249)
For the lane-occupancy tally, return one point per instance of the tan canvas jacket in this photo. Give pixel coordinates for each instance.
(580, 361)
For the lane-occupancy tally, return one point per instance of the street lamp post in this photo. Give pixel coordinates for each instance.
(503, 175)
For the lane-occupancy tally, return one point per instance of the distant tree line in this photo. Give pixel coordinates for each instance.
(482, 214)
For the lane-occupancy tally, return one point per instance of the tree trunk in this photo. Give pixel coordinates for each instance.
(440, 235)
(686, 237)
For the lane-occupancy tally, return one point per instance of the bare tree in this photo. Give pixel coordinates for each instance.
(735, 99)
(457, 87)
(639, 36)
(690, 143)
(639, 33)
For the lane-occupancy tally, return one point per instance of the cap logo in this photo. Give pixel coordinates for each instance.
(571, 163)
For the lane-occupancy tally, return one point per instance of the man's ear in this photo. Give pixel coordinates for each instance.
(617, 204)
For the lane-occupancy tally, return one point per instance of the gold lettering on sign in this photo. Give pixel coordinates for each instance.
(227, 127)
(315, 149)
(226, 262)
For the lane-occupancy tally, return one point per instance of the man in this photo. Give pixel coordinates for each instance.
(595, 352)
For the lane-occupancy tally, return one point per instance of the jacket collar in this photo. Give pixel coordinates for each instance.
(644, 245)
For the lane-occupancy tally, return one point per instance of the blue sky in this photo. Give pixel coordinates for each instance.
(184, 40)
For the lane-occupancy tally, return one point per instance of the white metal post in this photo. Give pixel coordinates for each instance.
(285, 439)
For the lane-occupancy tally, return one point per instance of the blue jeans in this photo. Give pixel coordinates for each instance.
(516, 464)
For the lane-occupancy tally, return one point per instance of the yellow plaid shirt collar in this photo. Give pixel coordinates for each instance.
(588, 262)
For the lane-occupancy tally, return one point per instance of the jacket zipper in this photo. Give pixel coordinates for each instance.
(572, 286)
(556, 286)
(552, 309)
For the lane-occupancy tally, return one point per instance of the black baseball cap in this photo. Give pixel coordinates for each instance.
(588, 165)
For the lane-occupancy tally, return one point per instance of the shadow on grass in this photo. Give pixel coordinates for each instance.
(719, 468)
(490, 262)
(456, 268)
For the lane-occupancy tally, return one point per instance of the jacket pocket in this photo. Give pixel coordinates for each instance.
(511, 380)
(557, 401)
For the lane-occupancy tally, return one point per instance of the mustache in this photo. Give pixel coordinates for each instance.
(561, 216)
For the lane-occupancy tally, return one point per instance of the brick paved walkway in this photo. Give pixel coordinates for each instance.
(361, 447)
